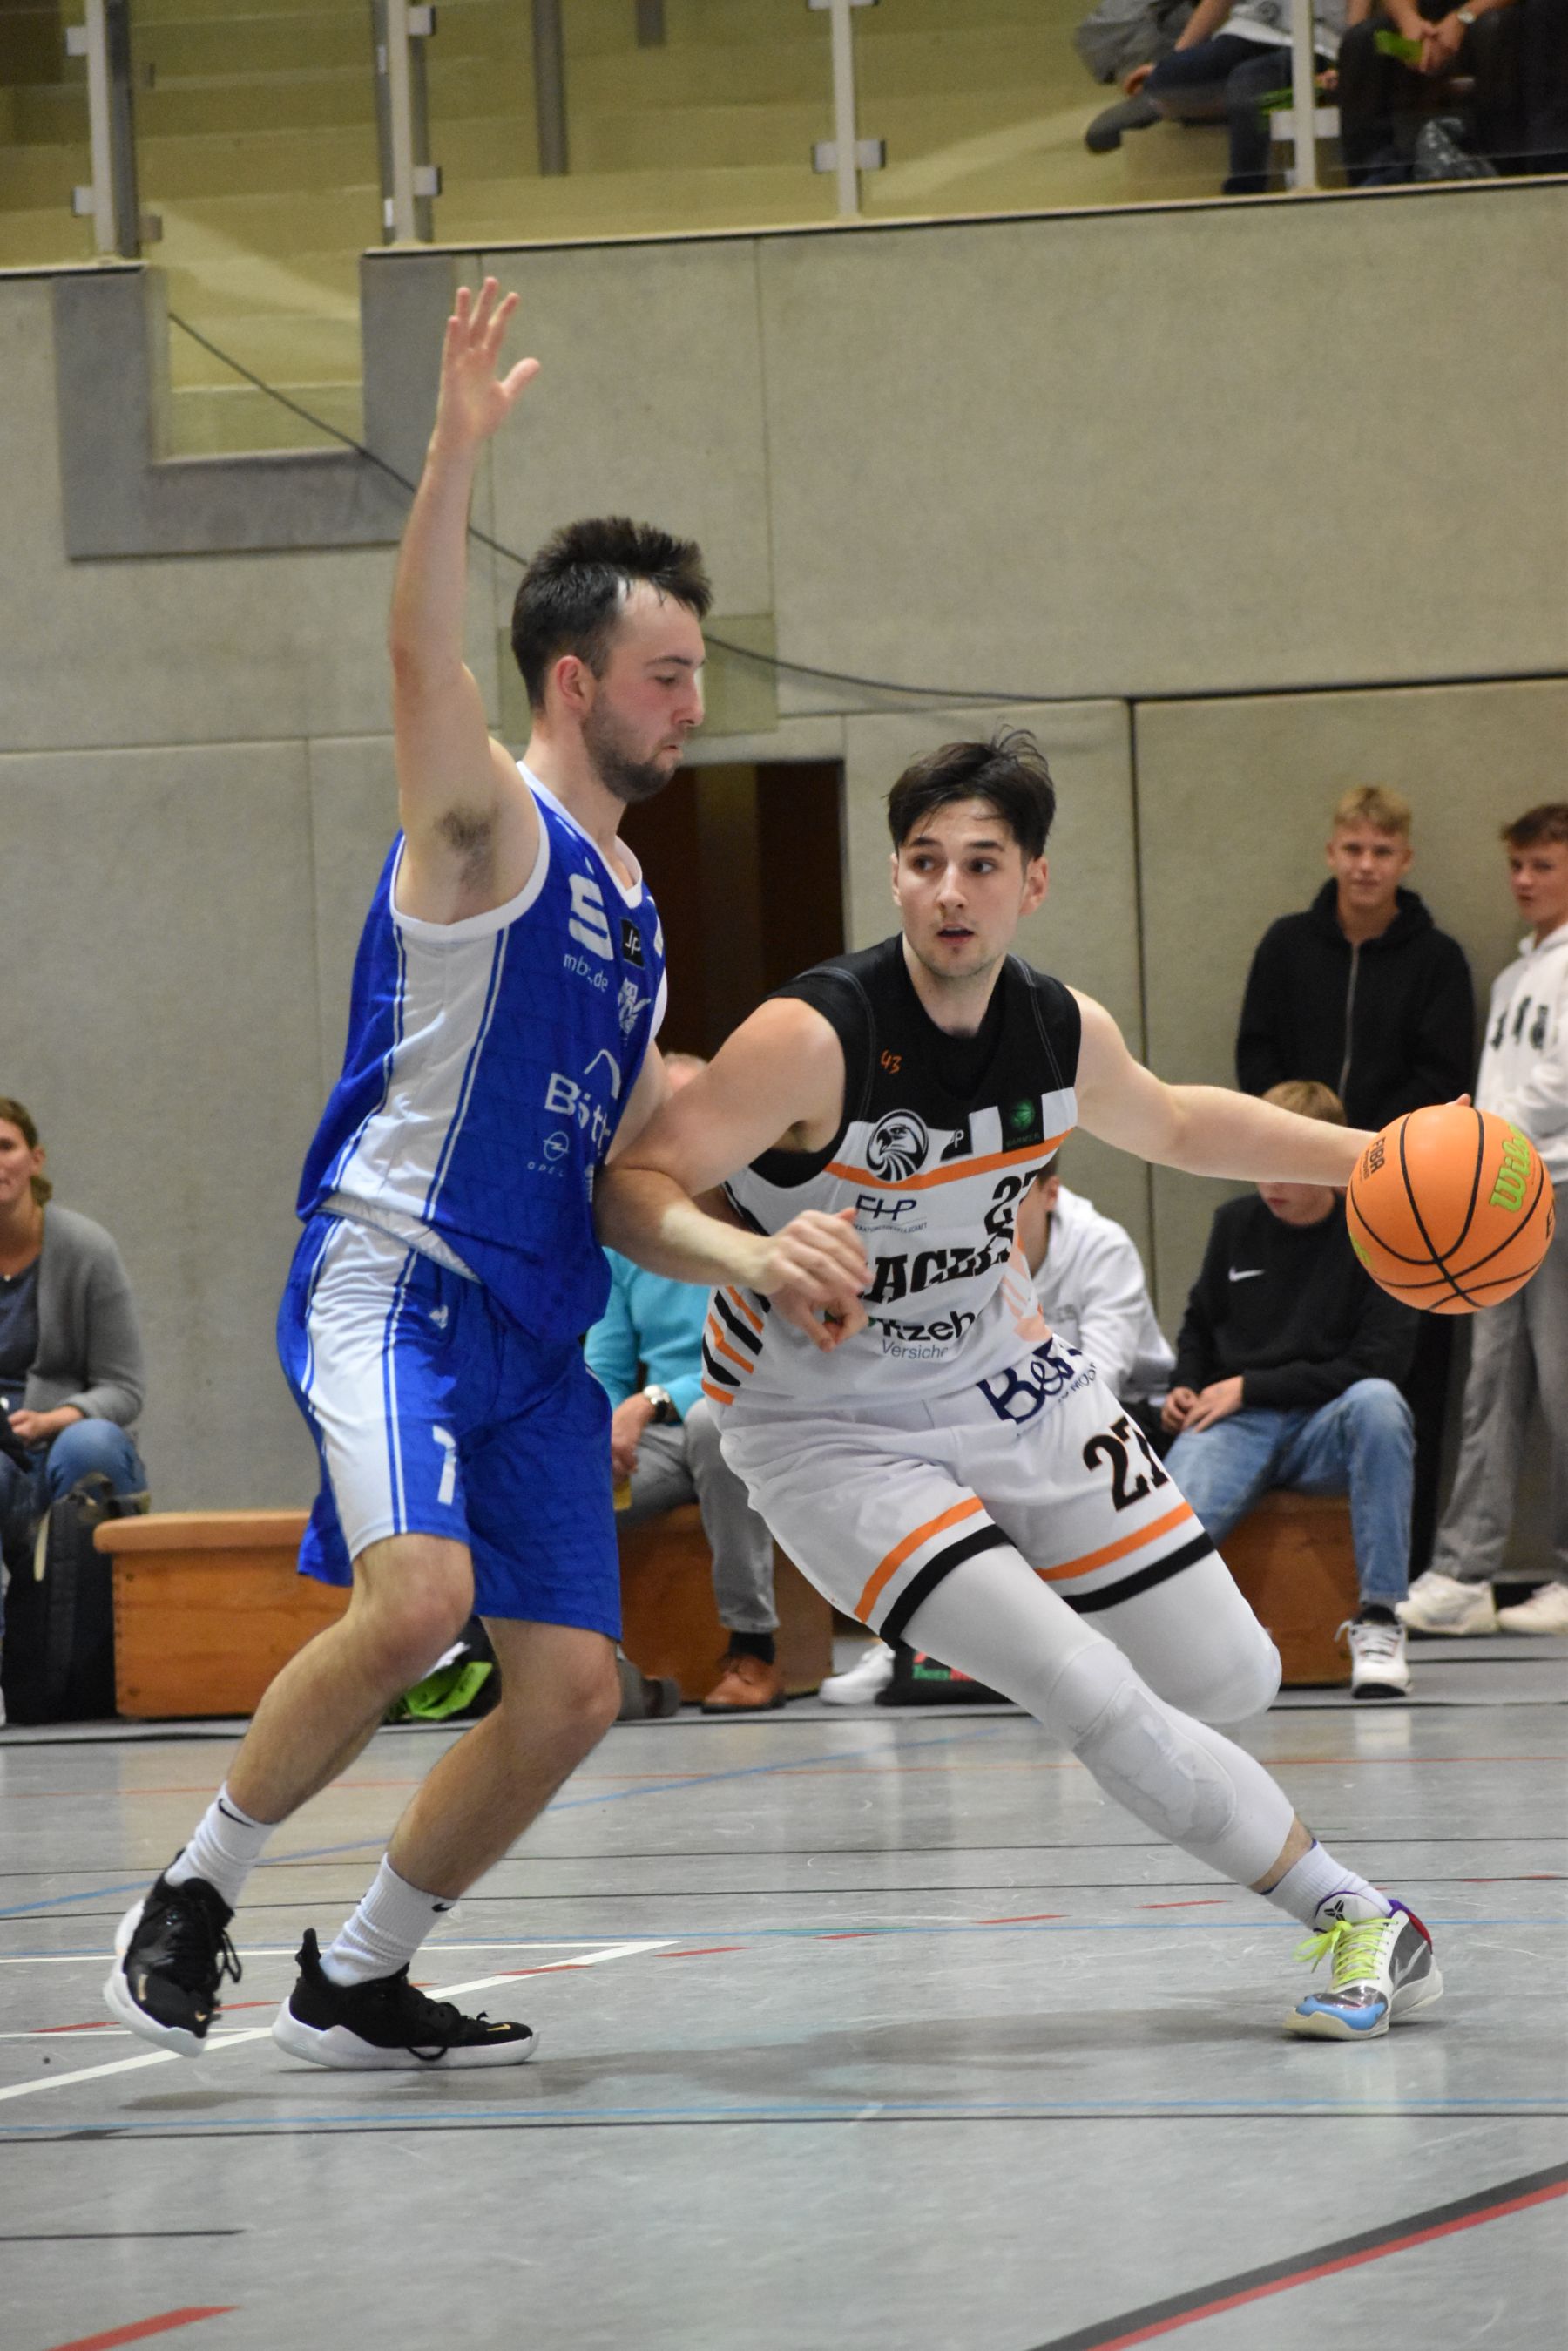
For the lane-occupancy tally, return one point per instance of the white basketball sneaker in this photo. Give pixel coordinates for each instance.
(1545, 1611)
(866, 1679)
(1441, 1604)
(1380, 1970)
(1379, 1667)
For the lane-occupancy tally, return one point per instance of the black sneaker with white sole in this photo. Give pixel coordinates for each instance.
(172, 1959)
(386, 2024)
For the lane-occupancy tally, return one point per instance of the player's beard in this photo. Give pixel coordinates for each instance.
(630, 779)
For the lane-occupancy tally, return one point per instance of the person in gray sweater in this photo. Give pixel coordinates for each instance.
(71, 1352)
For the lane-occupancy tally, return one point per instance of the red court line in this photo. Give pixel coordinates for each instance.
(1020, 1918)
(1396, 2241)
(143, 2327)
(704, 1951)
(1203, 1902)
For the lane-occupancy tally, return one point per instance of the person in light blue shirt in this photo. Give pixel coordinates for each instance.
(646, 1354)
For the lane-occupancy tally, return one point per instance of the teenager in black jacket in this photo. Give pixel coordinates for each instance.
(1362, 992)
(1285, 1375)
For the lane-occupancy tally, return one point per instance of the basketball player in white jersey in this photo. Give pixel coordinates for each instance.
(918, 1441)
(508, 987)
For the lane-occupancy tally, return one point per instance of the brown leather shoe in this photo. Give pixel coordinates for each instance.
(746, 1686)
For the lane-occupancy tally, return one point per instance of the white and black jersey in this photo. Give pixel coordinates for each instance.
(940, 1139)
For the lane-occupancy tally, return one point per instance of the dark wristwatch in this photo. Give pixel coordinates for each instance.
(664, 1405)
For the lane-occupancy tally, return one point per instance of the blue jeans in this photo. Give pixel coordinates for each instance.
(26, 1494)
(1227, 75)
(1362, 1443)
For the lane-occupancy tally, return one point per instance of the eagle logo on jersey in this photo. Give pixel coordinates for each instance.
(898, 1145)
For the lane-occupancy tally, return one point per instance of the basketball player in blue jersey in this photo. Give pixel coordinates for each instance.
(914, 1435)
(508, 987)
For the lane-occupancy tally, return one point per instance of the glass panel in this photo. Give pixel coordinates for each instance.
(712, 127)
(43, 139)
(257, 147)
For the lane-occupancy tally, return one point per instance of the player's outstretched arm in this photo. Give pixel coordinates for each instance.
(472, 831)
(778, 1081)
(1204, 1130)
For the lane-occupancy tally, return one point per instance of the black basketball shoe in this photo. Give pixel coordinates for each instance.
(172, 1958)
(386, 2023)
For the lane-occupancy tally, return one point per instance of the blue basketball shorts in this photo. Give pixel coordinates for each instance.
(431, 1415)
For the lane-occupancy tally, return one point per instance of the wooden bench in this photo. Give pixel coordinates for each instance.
(208, 1606)
(671, 1625)
(1295, 1564)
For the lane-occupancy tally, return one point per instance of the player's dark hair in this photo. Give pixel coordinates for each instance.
(571, 594)
(15, 1114)
(1545, 823)
(1009, 771)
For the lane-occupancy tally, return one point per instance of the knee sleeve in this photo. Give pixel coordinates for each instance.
(1174, 1774)
(1230, 1687)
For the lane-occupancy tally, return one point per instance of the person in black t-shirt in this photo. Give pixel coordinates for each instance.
(1285, 1375)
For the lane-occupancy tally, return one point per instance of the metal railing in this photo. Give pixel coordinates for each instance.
(411, 181)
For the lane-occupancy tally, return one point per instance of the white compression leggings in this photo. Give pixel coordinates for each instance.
(992, 1618)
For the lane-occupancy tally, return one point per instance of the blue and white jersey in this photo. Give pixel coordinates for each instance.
(487, 1065)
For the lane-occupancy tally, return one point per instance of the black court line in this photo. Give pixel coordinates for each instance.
(821, 1852)
(87, 2133)
(111, 2236)
(1345, 2252)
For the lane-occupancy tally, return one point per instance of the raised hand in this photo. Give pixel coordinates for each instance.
(476, 400)
(814, 1272)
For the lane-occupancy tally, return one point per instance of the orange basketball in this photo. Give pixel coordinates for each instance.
(1450, 1209)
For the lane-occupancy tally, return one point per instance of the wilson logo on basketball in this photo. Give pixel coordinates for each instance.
(1508, 1192)
(897, 1146)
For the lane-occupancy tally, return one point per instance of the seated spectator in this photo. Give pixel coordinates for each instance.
(1519, 1353)
(646, 1354)
(70, 1350)
(1231, 55)
(1479, 41)
(1089, 1279)
(1285, 1373)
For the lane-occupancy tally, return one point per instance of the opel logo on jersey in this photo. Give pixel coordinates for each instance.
(898, 1145)
(556, 1145)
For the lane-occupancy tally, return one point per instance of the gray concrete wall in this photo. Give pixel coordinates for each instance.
(1099, 461)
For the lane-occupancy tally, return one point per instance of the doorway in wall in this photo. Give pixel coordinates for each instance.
(746, 865)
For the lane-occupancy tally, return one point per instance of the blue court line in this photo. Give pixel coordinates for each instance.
(865, 2108)
(567, 1804)
(1252, 1926)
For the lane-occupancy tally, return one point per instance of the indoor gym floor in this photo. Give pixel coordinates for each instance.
(855, 2028)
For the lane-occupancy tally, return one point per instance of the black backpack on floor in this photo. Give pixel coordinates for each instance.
(57, 1647)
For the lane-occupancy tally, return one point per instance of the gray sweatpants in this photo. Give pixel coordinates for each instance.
(1519, 1352)
(684, 1464)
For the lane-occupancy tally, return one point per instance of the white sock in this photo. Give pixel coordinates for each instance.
(385, 1931)
(225, 1850)
(1317, 1879)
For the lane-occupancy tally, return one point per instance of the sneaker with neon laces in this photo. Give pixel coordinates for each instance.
(388, 2025)
(1381, 1968)
(1545, 1611)
(1441, 1604)
(1379, 1667)
(172, 1959)
(864, 1681)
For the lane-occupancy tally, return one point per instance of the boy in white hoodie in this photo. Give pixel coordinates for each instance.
(1521, 1349)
